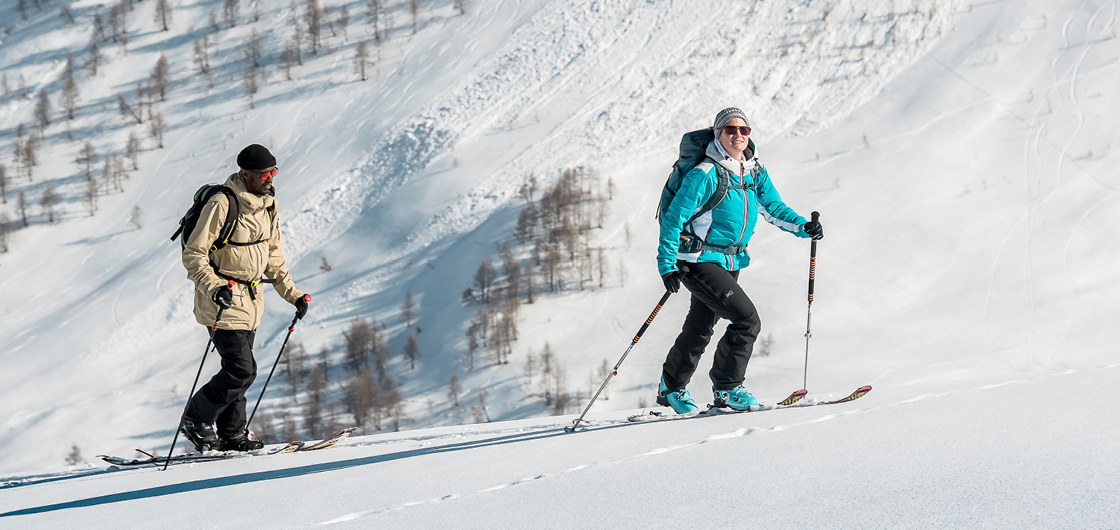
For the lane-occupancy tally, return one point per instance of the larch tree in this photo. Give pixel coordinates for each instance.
(94, 59)
(48, 201)
(160, 77)
(411, 351)
(408, 307)
(361, 57)
(156, 127)
(163, 14)
(43, 110)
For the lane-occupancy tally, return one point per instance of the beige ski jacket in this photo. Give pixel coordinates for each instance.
(257, 224)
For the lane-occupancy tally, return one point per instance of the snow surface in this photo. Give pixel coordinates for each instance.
(961, 162)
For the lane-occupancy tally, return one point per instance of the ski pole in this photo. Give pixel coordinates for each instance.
(291, 328)
(206, 352)
(614, 372)
(809, 319)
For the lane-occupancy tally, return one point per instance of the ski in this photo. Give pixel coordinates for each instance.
(329, 441)
(793, 401)
(209, 456)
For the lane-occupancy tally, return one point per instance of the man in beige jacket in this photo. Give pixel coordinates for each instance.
(254, 248)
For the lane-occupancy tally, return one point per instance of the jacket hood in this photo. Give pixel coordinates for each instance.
(247, 201)
(715, 152)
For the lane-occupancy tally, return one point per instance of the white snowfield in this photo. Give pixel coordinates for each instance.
(959, 153)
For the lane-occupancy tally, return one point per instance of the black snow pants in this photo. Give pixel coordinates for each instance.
(716, 294)
(222, 400)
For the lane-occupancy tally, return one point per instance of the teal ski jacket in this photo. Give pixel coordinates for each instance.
(732, 221)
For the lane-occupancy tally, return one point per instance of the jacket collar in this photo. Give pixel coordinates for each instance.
(247, 201)
(716, 152)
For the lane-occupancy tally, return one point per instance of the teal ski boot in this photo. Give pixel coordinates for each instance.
(737, 398)
(681, 400)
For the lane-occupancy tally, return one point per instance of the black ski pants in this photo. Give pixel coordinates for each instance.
(716, 294)
(222, 400)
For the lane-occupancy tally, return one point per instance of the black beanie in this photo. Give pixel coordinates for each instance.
(255, 157)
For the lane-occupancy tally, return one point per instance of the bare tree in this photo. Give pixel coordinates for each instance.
(325, 267)
(21, 6)
(69, 98)
(454, 388)
(48, 200)
(163, 14)
(415, 10)
(90, 195)
(373, 15)
(460, 6)
(98, 26)
(361, 56)
(483, 279)
(87, 157)
(313, 24)
(252, 49)
(21, 205)
(287, 57)
(529, 281)
(94, 59)
(29, 148)
(297, 43)
(4, 221)
(344, 21)
(411, 351)
(3, 185)
(132, 149)
(156, 128)
(229, 11)
(127, 110)
(408, 307)
(358, 343)
(117, 21)
(42, 110)
(160, 77)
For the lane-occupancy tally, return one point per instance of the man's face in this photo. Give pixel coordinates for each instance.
(258, 181)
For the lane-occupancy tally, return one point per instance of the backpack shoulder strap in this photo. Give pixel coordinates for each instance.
(232, 213)
(723, 183)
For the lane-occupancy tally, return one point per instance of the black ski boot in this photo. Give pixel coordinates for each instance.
(201, 435)
(241, 443)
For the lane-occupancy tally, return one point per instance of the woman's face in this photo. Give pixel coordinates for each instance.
(733, 139)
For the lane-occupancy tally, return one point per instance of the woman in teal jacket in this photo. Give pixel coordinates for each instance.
(706, 254)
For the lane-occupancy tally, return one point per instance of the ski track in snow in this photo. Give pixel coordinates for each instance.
(715, 438)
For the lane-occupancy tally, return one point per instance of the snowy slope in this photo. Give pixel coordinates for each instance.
(925, 456)
(962, 168)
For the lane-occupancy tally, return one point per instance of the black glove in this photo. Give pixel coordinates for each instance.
(672, 281)
(223, 297)
(813, 228)
(301, 306)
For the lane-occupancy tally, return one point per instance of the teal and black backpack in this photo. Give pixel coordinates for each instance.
(692, 153)
(190, 219)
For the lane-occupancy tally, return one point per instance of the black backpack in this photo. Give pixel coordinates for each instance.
(692, 153)
(190, 219)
